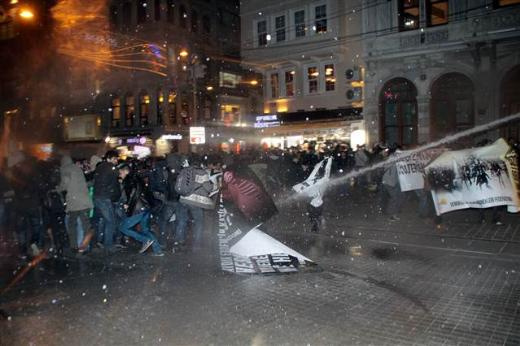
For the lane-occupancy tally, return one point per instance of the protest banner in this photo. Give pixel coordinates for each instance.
(511, 160)
(471, 178)
(410, 168)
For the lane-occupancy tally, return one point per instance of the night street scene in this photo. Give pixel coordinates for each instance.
(259, 172)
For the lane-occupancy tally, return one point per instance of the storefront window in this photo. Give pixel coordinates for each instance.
(275, 86)
(330, 77)
(160, 107)
(312, 79)
(229, 114)
(399, 112)
(144, 109)
(289, 83)
(116, 112)
(172, 107)
(129, 110)
(185, 113)
(408, 14)
(437, 12)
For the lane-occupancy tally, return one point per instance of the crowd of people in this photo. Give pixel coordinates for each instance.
(70, 207)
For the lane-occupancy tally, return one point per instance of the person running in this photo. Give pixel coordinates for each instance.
(137, 211)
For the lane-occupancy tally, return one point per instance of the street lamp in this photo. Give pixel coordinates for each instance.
(26, 14)
(183, 53)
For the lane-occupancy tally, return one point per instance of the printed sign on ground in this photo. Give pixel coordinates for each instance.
(252, 251)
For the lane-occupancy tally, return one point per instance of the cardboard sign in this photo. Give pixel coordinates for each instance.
(411, 168)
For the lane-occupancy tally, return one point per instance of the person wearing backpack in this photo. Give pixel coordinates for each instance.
(194, 186)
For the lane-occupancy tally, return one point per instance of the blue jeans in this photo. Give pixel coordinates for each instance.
(183, 211)
(104, 209)
(145, 235)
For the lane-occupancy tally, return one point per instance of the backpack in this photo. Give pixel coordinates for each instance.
(192, 179)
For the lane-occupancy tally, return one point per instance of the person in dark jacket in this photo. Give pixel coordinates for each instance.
(136, 205)
(170, 198)
(106, 193)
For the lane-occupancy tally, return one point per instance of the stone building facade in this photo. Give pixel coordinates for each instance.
(312, 80)
(438, 67)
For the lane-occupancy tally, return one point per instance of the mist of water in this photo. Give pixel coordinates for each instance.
(446, 140)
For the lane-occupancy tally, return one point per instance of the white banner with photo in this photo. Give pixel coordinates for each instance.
(410, 169)
(471, 178)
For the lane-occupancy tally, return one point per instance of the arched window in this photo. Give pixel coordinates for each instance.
(127, 15)
(144, 108)
(398, 109)
(157, 10)
(160, 107)
(116, 112)
(141, 11)
(170, 11)
(510, 102)
(183, 16)
(129, 110)
(172, 107)
(194, 21)
(452, 105)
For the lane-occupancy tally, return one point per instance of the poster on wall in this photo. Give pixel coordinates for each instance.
(410, 169)
(197, 135)
(471, 178)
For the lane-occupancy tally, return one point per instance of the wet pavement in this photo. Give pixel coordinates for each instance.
(378, 283)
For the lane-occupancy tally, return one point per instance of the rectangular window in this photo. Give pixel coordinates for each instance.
(437, 12)
(280, 28)
(113, 16)
(141, 11)
(144, 110)
(408, 15)
(157, 10)
(129, 111)
(330, 77)
(194, 21)
(160, 108)
(312, 78)
(320, 16)
(289, 83)
(170, 11)
(299, 23)
(116, 112)
(172, 107)
(229, 80)
(275, 86)
(500, 3)
(262, 33)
